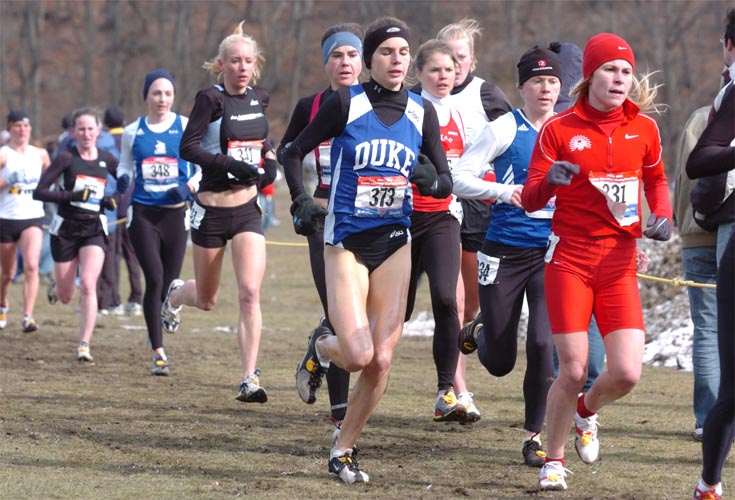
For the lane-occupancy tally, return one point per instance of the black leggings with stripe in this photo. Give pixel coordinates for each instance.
(159, 238)
(338, 380)
(520, 272)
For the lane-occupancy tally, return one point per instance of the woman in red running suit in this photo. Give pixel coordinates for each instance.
(595, 157)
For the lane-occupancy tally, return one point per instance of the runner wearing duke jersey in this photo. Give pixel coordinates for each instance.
(379, 129)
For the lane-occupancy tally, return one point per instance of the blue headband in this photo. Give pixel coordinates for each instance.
(338, 40)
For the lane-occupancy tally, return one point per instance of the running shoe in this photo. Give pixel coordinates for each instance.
(250, 390)
(448, 409)
(697, 434)
(552, 476)
(533, 453)
(3, 317)
(468, 335)
(159, 366)
(133, 309)
(471, 411)
(311, 370)
(346, 468)
(51, 294)
(170, 318)
(83, 352)
(29, 325)
(702, 492)
(586, 443)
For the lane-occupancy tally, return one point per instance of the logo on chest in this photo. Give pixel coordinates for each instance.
(384, 153)
(159, 148)
(580, 143)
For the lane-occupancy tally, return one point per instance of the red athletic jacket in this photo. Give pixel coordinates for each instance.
(613, 164)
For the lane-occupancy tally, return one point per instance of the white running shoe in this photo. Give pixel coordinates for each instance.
(586, 443)
(3, 317)
(345, 467)
(83, 352)
(473, 414)
(552, 476)
(170, 315)
(133, 309)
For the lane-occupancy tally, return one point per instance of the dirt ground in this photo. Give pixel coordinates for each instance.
(111, 430)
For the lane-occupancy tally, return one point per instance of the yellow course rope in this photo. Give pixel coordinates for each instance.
(676, 281)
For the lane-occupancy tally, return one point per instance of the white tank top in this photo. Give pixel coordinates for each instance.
(16, 200)
(469, 104)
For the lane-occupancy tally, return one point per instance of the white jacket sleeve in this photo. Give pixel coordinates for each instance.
(468, 172)
(126, 166)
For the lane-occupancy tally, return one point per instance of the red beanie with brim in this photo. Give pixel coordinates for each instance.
(602, 48)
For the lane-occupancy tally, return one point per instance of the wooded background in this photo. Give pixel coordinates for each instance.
(57, 55)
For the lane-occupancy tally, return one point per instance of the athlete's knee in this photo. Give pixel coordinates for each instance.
(625, 380)
(249, 297)
(573, 374)
(498, 366)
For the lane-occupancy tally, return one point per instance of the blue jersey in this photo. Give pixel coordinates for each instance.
(371, 165)
(511, 225)
(158, 166)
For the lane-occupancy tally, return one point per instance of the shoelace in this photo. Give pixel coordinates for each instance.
(710, 494)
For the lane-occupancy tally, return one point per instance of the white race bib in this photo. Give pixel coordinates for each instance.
(196, 216)
(621, 190)
(96, 188)
(248, 151)
(160, 173)
(380, 196)
(487, 269)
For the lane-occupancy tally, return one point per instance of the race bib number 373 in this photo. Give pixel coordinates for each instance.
(380, 196)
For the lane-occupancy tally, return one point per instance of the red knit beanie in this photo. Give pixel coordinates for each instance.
(602, 48)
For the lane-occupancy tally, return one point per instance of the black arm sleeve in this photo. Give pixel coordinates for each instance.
(43, 190)
(432, 147)
(329, 122)
(494, 101)
(714, 153)
(299, 121)
(206, 107)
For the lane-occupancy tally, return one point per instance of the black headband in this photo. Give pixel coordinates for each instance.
(373, 40)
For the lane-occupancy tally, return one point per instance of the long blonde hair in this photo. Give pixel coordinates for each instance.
(466, 29)
(643, 92)
(237, 36)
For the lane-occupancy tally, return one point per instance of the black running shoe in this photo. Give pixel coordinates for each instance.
(468, 335)
(346, 468)
(309, 372)
(533, 453)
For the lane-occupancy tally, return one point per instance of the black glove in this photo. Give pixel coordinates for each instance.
(425, 177)
(305, 213)
(658, 228)
(123, 182)
(179, 193)
(80, 194)
(561, 172)
(109, 203)
(242, 171)
(269, 173)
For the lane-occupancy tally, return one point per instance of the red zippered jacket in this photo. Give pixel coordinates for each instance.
(630, 154)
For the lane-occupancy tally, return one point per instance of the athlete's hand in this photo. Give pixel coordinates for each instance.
(658, 228)
(270, 170)
(109, 203)
(425, 177)
(242, 171)
(305, 213)
(123, 182)
(179, 193)
(15, 177)
(561, 173)
(80, 194)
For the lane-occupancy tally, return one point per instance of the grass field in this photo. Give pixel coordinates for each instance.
(110, 430)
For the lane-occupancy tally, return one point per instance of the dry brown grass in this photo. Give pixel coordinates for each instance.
(113, 431)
